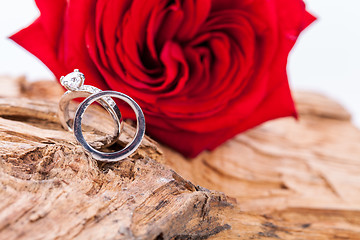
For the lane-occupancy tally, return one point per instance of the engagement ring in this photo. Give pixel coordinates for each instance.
(74, 83)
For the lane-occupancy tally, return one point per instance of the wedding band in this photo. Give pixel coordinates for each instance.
(130, 148)
(74, 83)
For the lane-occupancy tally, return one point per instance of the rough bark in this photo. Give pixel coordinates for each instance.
(286, 179)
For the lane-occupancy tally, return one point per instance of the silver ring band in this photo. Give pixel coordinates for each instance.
(63, 110)
(123, 153)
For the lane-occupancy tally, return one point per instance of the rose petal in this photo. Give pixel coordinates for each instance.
(35, 40)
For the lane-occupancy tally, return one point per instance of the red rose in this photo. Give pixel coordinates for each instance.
(203, 71)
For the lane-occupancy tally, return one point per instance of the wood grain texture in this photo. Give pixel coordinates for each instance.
(304, 174)
(51, 189)
(286, 179)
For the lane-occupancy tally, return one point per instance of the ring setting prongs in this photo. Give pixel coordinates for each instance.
(73, 81)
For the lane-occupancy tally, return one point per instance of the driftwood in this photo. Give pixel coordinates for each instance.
(286, 179)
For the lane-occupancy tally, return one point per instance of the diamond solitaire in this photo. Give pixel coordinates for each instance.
(73, 81)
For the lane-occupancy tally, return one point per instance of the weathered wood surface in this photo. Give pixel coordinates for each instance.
(291, 179)
(51, 189)
(304, 175)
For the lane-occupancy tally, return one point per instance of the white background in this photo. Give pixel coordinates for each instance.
(326, 58)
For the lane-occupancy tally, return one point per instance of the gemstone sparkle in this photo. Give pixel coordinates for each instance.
(73, 81)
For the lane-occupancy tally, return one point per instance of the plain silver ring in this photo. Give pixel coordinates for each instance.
(123, 153)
